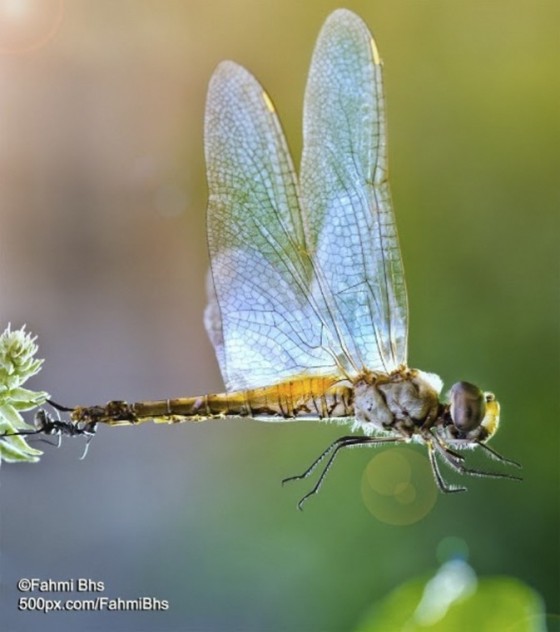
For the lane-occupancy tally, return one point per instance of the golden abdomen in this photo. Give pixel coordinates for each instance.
(301, 397)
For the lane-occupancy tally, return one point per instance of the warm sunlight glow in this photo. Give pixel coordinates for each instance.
(26, 25)
(397, 487)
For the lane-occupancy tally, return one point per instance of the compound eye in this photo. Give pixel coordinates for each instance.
(468, 406)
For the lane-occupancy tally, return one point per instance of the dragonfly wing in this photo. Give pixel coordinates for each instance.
(259, 316)
(348, 221)
(213, 321)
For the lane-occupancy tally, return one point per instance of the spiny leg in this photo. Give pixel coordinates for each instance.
(318, 460)
(440, 443)
(497, 456)
(351, 441)
(443, 487)
(343, 442)
(458, 466)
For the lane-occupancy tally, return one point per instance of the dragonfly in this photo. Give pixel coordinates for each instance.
(307, 309)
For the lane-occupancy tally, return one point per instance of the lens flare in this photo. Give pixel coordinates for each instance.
(27, 25)
(397, 487)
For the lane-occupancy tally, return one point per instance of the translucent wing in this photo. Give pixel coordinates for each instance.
(307, 284)
(259, 316)
(349, 223)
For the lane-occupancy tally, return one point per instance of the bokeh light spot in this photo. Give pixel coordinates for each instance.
(451, 548)
(26, 25)
(398, 487)
(388, 472)
(405, 493)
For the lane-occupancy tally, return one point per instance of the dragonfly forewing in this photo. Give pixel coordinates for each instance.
(260, 265)
(349, 222)
(306, 282)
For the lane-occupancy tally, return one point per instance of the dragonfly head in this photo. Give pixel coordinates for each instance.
(475, 414)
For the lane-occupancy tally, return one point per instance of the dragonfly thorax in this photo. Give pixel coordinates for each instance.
(404, 400)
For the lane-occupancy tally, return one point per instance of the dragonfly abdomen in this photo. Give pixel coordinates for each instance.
(311, 398)
(303, 398)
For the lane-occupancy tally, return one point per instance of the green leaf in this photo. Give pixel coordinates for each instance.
(454, 599)
(35, 399)
(10, 418)
(12, 453)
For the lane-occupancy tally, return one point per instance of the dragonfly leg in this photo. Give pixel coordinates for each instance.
(334, 445)
(442, 485)
(451, 459)
(343, 442)
(497, 456)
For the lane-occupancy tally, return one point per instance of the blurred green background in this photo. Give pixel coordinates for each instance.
(103, 254)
